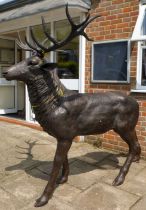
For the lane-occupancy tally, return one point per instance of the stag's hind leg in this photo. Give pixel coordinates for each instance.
(130, 138)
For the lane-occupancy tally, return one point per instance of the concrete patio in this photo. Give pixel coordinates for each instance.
(25, 162)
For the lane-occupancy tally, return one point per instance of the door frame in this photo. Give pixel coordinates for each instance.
(4, 82)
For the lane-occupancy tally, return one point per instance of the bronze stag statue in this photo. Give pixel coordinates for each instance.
(66, 114)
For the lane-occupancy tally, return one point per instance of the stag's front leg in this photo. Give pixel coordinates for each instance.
(65, 172)
(60, 156)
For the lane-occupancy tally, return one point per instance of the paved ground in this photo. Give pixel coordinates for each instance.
(25, 161)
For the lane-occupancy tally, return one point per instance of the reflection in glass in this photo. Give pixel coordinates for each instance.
(110, 62)
(143, 77)
(143, 28)
(7, 93)
(67, 56)
(7, 54)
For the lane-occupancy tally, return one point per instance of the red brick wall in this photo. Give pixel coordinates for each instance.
(117, 21)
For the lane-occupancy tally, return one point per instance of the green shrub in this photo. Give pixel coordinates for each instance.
(71, 65)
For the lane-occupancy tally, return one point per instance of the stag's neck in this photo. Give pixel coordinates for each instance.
(45, 93)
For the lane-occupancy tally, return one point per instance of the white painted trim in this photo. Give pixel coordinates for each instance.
(27, 103)
(138, 74)
(138, 91)
(82, 57)
(72, 84)
(136, 36)
(82, 60)
(50, 16)
(139, 86)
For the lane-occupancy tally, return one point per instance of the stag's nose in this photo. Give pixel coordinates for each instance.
(5, 73)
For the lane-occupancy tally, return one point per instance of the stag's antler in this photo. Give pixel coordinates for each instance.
(76, 30)
(21, 44)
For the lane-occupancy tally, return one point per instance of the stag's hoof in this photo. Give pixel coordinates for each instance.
(43, 200)
(62, 180)
(118, 181)
(136, 159)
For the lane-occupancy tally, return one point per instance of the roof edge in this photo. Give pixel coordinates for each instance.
(18, 4)
(15, 4)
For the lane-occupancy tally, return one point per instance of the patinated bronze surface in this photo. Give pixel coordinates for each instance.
(66, 114)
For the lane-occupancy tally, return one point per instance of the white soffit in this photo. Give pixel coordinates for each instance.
(29, 14)
(41, 6)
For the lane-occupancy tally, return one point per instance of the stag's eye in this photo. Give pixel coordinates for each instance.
(33, 62)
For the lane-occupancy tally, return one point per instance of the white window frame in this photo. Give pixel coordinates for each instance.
(139, 86)
(137, 36)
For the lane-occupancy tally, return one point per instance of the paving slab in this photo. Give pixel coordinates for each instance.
(54, 204)
(81, 181)
(140, 205)
(105, 197)
(113, 170)
(66, 193)
(26, 158)
(134, 186)
(25, 187)
(8, 201)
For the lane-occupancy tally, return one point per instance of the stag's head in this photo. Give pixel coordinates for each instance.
(28, 69)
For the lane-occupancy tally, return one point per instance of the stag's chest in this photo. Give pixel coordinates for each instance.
(51, 118)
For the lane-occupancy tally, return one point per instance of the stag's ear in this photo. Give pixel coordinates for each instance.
(49, 66)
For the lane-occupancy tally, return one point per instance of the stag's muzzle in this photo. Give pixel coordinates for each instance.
(5, 74)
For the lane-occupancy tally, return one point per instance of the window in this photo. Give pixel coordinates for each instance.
(39, 34)
(7, 54)
(143, 67)
(109, 62)
(67, 56)
(139, 34)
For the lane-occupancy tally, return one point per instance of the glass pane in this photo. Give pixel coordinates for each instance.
(143, 78)
(3, 67)
(7, 54)
(9, 101)
(40, 36)
(68, 56)
(110, 61)
(143, 28)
